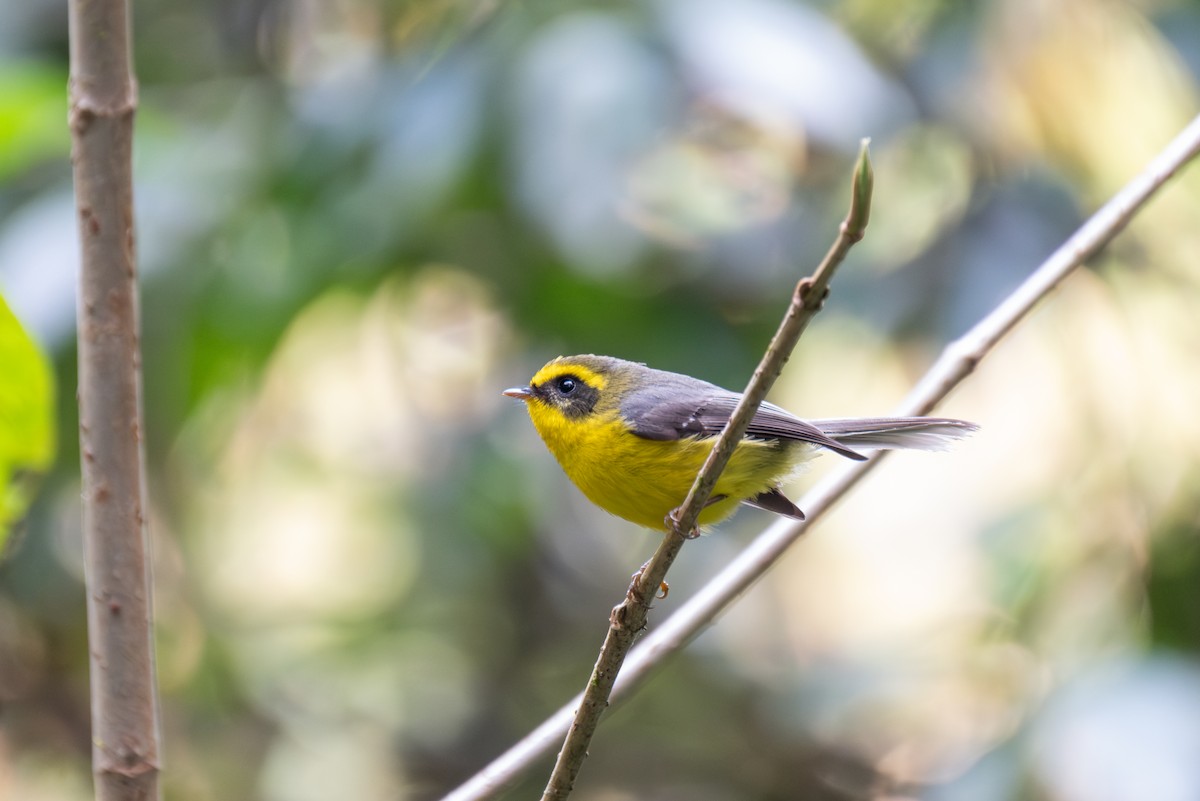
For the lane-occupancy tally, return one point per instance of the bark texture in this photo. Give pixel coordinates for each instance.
(103, 99)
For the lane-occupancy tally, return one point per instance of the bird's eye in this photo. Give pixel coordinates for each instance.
(566, 385)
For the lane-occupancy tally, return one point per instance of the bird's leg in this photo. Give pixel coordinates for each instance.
(634, 594)
(671, 521)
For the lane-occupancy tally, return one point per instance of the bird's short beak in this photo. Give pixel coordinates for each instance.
(520, 393)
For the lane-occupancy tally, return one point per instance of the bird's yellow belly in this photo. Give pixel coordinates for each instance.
(643, 480)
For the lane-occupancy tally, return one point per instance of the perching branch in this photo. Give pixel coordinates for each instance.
(629, 617)
(957, 361)
(124, 705)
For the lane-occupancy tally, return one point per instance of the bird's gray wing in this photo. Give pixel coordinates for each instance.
(670, 411)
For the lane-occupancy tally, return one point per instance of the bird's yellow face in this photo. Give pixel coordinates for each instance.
(570, 405)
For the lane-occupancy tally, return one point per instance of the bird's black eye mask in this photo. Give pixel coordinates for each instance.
(570, 394)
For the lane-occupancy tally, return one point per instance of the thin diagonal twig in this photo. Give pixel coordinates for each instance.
(958, 360)
(629, 617)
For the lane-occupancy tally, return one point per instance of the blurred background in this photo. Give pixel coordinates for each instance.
(359, 220)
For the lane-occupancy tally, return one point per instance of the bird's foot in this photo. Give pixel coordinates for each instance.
(671, 521)
(634, 593)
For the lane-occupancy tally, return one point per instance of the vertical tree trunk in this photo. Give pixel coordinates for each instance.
(119, 589)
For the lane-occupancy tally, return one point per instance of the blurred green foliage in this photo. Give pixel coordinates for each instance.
(358, 220)
(31, 129)
(26, 432)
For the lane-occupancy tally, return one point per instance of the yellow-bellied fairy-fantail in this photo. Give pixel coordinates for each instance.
(633, 438)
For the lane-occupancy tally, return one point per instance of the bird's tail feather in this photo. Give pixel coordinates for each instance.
(915, 433)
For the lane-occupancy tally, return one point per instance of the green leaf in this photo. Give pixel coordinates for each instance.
(26, 421)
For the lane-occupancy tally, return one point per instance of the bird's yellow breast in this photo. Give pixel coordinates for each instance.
(642, 480)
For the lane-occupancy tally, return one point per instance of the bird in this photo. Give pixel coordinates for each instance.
(633, 438)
